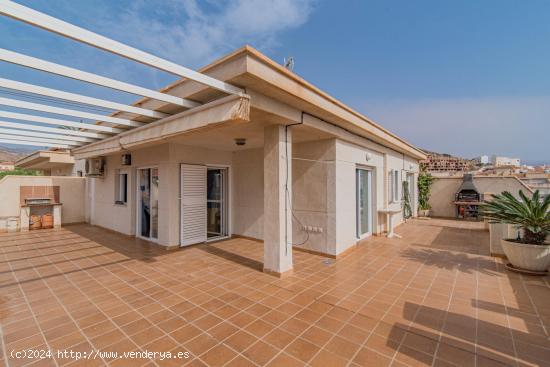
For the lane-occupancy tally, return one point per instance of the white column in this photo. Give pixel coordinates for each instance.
(57, 216)
(24, 218)
(277, 200)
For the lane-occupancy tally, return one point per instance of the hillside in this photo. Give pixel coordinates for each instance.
(12, 154)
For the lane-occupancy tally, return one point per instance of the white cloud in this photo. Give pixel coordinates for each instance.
(190, 32)
(195, 33)
(516, 126)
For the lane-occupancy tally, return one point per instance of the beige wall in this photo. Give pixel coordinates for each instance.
(443, 191)
(349, 157)
(313, 195)
(248, 193)
(323, 179)
(167, 157)
(71, 189)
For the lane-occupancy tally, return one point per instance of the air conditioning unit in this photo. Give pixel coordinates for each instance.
(95, 167)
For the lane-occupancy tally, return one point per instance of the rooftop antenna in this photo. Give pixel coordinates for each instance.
(289, 63)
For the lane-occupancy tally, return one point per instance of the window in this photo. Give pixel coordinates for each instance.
(394, 185)
(121, 187)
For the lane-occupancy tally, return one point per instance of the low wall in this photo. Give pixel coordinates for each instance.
(443, 191)
(72, 194)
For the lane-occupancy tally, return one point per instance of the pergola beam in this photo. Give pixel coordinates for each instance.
(57, 122)
(68, 112)
(78, 98)
(58, 26)
(53, 68)
(45, 135)
(52, 130)
(41, 140)
(33, 143)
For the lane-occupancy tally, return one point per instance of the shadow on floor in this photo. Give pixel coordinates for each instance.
(230, 256)
(471, 241)
(131, 247)
(449, 260)
(489, 344)
(64, 273)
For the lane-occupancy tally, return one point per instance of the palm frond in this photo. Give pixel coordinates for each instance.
(530, 213)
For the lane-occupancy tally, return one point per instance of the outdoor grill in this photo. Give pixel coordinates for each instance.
(468, 199)
(38, 201)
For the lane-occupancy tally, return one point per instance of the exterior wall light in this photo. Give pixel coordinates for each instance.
(240, 141)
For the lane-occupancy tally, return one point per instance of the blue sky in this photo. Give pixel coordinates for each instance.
(462, 77)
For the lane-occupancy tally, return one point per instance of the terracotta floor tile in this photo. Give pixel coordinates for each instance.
(223, 330)
(207, 322)
(284, 360)
(328, 359)
(218, 356)
(146, 335)
(260, 353)
(412, 357)
(279, 338)
(456, 356)
(109, 338)
(353, 334)
(302, 349)
(317, 336)
(200, 344)
(369, 357)
(431, 283)
(420, 343)
(342, 347)
(259, 328)
(240, 361)
(295, 326)
(382, 345)
(241, 340)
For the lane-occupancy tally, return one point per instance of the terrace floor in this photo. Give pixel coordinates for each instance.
(432, 298)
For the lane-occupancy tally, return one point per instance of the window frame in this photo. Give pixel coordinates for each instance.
(394, 186)
(121, 187)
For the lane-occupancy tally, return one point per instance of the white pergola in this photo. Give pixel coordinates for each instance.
(33, 130)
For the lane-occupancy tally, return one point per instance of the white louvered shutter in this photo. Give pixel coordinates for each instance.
(193, 204)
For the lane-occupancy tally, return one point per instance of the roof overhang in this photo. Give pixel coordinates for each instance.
(46, 159)
(230, 109)
(271, 85)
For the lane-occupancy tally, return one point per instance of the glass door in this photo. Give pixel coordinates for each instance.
(364, 202)
(148, 194)
(216, 203)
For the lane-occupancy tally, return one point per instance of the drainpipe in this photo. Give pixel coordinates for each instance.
(287, 192)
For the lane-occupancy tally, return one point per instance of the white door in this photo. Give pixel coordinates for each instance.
(147, 203)
(363, 179)
(193, 204)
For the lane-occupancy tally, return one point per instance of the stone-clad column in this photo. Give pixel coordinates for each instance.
(277, 200)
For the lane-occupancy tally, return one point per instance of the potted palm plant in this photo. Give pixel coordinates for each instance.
(530, 250)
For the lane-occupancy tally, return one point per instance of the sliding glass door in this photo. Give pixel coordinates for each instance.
(148, 198)
(363, 178)
(216, 202)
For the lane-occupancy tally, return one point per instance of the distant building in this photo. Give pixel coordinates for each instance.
(537, 181)
(498, 161)
(7, 166)
(445, 163)
(483, 159)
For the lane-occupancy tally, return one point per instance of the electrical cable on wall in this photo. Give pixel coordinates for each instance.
(287, 192)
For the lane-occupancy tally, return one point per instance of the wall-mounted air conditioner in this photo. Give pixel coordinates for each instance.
(95, 167)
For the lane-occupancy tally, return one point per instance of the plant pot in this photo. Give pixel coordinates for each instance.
(527, 256)
(424, 212)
